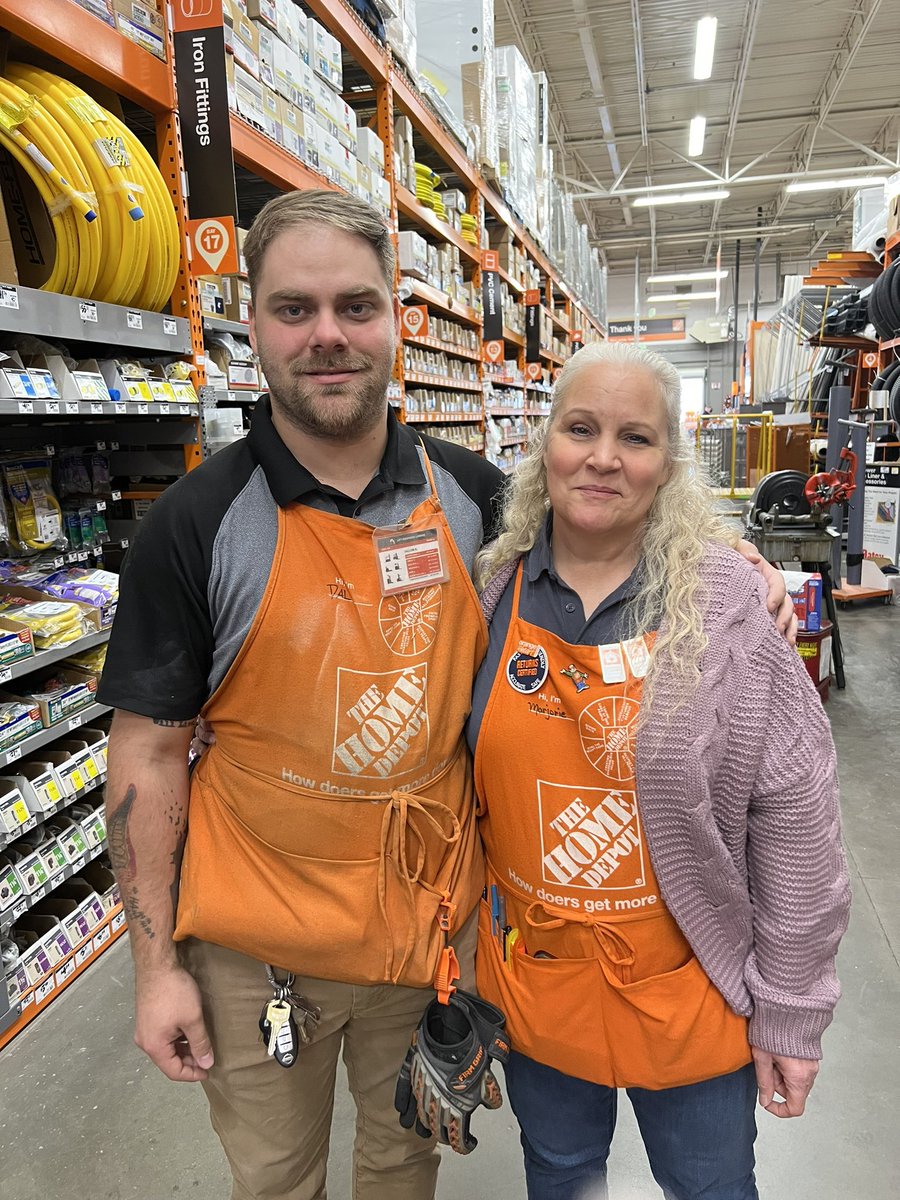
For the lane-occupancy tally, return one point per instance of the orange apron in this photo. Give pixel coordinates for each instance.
(598, 981)
(332, 825)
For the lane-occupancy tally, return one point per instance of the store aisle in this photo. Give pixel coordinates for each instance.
(83, 1114)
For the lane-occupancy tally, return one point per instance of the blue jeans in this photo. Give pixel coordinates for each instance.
(699, 1138)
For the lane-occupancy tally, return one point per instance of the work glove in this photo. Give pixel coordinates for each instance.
(446, 1074)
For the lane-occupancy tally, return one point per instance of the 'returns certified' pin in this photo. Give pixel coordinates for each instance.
(527, 668)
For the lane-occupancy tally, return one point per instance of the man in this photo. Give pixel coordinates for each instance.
(307, 591)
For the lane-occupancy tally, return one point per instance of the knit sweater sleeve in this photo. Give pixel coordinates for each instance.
(797, 872)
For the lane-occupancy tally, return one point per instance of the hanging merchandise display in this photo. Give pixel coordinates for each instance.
(110, 214)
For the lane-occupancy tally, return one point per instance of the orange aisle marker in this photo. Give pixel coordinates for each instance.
(414, 320)
(213, 246)
(492, 351)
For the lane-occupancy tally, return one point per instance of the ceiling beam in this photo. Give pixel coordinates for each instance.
(729, 182)
(855, 32)
(751, 18)
(888, 162)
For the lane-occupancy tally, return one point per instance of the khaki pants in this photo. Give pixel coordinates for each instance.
(274, 1122)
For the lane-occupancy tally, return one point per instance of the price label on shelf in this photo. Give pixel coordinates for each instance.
(5, 674)
(118, 921)
(121, 410)
(142, 410)
(79, 863)
(134, 320)
(102, 936)
(9, 296)
(116, 496)
(170, 326)
(163, 410)
(73, 407)
(124, 543)
(101, 506)
(75, 723)
(52, 407)
(15, 753)
(65, 971)
(26, 406)
(96, 407)
(87, 310)
(185, 409)
(43, 990)
(20, 908)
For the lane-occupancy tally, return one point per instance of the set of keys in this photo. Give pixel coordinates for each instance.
(286, 1021)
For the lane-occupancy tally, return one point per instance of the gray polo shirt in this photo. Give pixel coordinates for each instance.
(547, 601)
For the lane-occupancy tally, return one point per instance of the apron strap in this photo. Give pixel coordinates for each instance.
(616, 947)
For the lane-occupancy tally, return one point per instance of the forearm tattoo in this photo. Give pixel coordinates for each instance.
(124, 863)
(175, 724)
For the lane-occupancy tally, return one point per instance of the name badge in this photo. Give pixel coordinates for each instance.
(638, 656)
(612, 664)
(408, 559)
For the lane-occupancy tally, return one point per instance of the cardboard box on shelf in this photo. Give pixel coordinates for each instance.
(16, 643)
(61, 694)
(271, 115)
(148, 39)
(145, 16)
(39, 784)
(241, 239)
(370, 149)
(267, 41)
(238, 372)
(413, 254)
(236, 291)
(329, 147)
(241, 37)
(347, 132)
(327, 104)
(265, 11)
(364, 181)
(248, 93)
(292, 27)
(324, 53)
(212, 302)
(288, 69)
(291, 120)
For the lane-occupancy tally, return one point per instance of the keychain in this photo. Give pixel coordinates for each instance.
(282, 1033)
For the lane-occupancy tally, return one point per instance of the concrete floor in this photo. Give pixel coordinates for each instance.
(82, 1114)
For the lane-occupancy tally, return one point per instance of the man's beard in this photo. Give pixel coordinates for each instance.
(357, 406)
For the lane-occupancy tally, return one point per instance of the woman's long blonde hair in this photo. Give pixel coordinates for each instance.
(680, 523)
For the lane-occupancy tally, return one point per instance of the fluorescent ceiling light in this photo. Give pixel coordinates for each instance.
(687, 276)
(824, 185)
(696, 137)
(670, 296)
(706, 45)
(679, 198)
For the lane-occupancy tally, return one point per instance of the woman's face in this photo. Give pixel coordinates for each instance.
(607, 452)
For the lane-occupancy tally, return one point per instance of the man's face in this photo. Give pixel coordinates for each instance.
(324, 325)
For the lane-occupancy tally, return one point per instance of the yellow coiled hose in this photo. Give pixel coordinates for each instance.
(116, 230)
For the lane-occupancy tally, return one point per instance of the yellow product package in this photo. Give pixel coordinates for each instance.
(52, 622)
(36, 512)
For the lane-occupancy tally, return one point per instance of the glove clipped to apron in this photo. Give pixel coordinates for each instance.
(446, 1074)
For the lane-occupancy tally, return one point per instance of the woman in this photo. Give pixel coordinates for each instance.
(666, 887)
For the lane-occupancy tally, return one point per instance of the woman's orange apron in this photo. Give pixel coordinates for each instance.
(594, 975)
(332, 827)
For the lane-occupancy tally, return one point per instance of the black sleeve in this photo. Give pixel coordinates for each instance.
(479, 479)
(160, 651)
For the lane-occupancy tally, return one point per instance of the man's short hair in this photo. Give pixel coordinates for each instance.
(293, 210)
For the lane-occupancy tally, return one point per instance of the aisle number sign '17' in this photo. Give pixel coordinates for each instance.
(213, 246)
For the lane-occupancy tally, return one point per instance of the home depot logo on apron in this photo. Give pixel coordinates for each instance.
(332, 824)
(576, 944)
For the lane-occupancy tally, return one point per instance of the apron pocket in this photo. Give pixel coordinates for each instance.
(553, 1010)
(314, 916)
(672, 1029)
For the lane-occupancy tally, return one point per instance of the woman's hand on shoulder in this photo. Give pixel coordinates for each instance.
(779, 603)
(792, 1078)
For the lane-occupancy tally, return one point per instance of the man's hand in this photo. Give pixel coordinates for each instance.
(779, 602)
(792, 1078)
(204, 737)
(169, 1025)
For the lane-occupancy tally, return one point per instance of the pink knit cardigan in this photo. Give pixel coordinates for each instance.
(739, 799)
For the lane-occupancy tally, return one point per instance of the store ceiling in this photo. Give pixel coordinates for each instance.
(796, 86)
